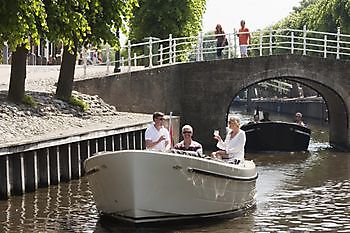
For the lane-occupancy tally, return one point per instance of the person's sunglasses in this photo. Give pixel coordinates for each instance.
(186, 132)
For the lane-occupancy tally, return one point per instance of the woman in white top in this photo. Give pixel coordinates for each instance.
(232, 149)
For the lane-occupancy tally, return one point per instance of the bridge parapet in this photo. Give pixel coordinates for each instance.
(163, 52)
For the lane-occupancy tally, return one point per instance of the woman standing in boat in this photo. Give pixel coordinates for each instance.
(232, 149)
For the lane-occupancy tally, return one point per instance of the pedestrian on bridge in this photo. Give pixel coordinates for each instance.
(244, 39)
(221, 40)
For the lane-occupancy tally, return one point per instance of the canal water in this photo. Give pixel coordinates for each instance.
(297, 192)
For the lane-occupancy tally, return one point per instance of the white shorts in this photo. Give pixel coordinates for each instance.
(244, 49)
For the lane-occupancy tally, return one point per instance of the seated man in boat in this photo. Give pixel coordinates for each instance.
(299, 119)
(157, 136)
(232, 149)
(255, 119)
(188, 144)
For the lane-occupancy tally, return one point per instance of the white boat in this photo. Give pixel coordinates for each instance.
(146, 186)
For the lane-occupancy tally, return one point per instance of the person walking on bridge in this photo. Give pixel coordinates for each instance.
(220, 40)
(244, 39)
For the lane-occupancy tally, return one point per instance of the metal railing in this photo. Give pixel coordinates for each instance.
(160, 52)
(154, 52)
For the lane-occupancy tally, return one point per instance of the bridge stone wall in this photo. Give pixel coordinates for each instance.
(140, 91)
(201, 93)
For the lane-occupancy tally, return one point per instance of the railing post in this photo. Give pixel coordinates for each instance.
(170, 48)
(198, 47)
(201, 47)
(150, 52)
(292, 43)
(121, 62)
(325, 46)
(304, 40)
(260, 42)
(174, 57)
(6, 54)
(235, 42)
(84, 60)
(229, 45)
(161, 55)
(338, 42)
(117, 61)
(129, 56)
(135, 59)
(270, 41)
(107, 54)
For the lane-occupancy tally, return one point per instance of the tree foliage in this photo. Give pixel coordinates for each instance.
(22, 22)
(107, 18)
(320, 15)
(159, 18)
(78, 23)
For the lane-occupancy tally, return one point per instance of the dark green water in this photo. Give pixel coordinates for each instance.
(297, 192)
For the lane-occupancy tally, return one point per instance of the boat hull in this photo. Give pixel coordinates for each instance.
(145, 186)
(276, 136)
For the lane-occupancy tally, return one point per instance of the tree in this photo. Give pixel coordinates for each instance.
(319, 15)
(159, 18)
(67, 25)
(22, 24)
(78, 23)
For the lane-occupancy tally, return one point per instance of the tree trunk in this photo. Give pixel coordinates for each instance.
(18, 74)
(66, 77)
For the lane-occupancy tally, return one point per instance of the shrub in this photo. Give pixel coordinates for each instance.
(76, 101)
(29, 100)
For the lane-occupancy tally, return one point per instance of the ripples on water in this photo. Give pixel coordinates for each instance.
(297, 192)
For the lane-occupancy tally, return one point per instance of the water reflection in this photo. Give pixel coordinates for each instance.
(297, 192)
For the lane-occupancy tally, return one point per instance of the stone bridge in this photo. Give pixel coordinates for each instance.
(201, 92)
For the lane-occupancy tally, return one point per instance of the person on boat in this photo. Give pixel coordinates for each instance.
(266, 117)
(157, 136)
(299, 119)
(232, 149)
(255, 119)
(188, 144)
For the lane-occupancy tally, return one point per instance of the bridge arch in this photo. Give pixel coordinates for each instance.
(333, 94)
(200, 92)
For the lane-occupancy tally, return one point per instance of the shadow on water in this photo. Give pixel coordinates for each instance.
(239, 222)
(108, 224)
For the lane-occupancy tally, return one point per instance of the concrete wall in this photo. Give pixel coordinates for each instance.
(201, 93)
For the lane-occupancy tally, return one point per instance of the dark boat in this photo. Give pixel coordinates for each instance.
(276, 136)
